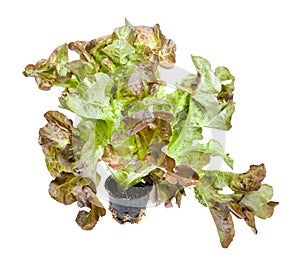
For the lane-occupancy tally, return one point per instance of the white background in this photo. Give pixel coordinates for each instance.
(257, 40)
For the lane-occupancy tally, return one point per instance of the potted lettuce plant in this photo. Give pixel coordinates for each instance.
(148, 138)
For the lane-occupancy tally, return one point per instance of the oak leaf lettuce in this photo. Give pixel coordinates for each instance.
(139, 130)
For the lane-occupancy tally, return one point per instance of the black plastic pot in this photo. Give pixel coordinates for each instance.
(128, 205)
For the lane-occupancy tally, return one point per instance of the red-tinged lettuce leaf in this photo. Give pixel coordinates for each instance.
(155, 134)
(139, 119)
(165, 116)
(71, 156)
(243, 212)
(53, 160)
(255, 203)
(165, 191)
(151, 37)
(250, 180)
(143, 81)
(158, 158)
(134, 82)
(57, 131)
(81, 48)
(227, 84)
(147, 126)
(51, 71)
(208, 195)
(54, 137)
(184, 175)
(161, 47)
(57, 141)
(151, 139)
(135, 124)
(87, 220)
(72, 149)
(167, 56)
(132, 45)
(244, 204)
(94, 48)
(255, 199)
(223, 221)
(68, 188)
(117, 157)
(146, 133)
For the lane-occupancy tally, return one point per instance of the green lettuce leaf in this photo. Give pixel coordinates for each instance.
(91, 98)
(201, 105)
(132, 173)
(81, 69)
(209, 82)
(155, 104)
(207, 108)
(126, 32)
(119, 51)
(266, 210)
(198, 156)
(184, 132)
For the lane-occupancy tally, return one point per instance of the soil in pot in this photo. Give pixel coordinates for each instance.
(128, 205)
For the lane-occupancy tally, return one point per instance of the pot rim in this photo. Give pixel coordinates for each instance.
(144, 191)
